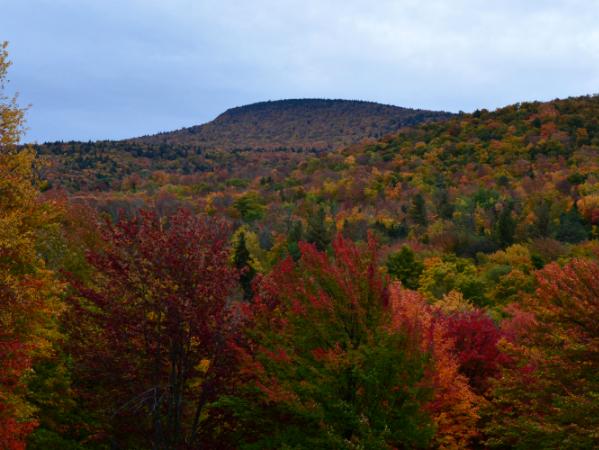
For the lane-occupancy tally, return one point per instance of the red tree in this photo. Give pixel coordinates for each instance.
(321, 365)
(148, 332)
(475, 338)
(548, 397)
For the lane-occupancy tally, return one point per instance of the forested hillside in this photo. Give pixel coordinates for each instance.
(475, 182)
(284, 127)
(297, 124)
(437, 288)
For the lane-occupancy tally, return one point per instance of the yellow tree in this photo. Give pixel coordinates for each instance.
(28, 291)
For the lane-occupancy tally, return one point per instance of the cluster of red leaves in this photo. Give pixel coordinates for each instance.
(324, 291)
(14, 361)
(476, 338)
(13, 433)
(152, 322)
(547, 397)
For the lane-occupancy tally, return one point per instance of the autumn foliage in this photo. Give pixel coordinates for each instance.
(29, 292)
(148, 332)
(336, 357)
(476, 337)
(548, 399)
(454, 405)
(186, 296)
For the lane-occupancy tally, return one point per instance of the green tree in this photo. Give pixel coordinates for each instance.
(442, 275)
(444, 207)
(242, 261)
(571, 227)
(250, 207)
(295, 235)
(505, 227)
(318, 232)
(404, 266)
(418, 210)
(322, 366)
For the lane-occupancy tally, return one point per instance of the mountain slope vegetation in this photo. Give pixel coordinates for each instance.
(297, 124)
(475, 182)
(281, 128)
(435, 287)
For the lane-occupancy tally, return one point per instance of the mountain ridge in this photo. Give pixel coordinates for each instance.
(298, 124)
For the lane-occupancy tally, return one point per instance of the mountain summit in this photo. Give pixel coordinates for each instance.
(297, 124)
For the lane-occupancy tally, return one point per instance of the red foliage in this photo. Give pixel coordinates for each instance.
(14, 361)
(152, 323)
(547, 399)
(13, 434)
(475, 338)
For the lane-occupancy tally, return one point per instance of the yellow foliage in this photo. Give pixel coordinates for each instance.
(454, 302)
(516, 255)
(260, 261)
(29, 293)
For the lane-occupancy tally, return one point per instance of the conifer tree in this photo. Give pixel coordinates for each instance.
(418, 210)
(505, 227)
(295, 235)
(242, 260)
(404, 266)
(318, 233)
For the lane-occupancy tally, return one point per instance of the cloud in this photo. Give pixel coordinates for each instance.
(112, 69)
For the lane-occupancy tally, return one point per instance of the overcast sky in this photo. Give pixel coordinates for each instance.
(95, 69)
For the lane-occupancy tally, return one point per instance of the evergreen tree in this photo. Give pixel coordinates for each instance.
(418, 210)
(542, 225)
(404, 266)
(318, 233)
(571, 227)
(505, 227)
(296, 234)
(443, 205)
(242, 261)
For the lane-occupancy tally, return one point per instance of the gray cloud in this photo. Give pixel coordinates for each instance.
(111, 69)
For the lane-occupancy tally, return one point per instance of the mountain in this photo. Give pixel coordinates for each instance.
(282, 128)
(474, 183)
(306, 124)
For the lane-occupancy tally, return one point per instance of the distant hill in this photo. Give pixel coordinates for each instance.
(307, 124)
(285, 129)
(474, 183)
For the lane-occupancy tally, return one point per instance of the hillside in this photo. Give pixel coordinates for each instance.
(489, 220)
(298, 124)
(476, 182)
(283, 128)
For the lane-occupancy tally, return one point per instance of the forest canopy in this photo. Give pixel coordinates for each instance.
(436, 287)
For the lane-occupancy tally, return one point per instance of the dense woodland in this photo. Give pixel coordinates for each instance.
(435, 288)
(280, 128)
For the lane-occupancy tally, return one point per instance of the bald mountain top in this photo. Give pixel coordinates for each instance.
(306, 124)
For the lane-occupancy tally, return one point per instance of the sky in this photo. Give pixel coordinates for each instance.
(106, 69)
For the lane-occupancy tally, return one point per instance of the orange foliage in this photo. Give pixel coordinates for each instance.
(454, 406)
